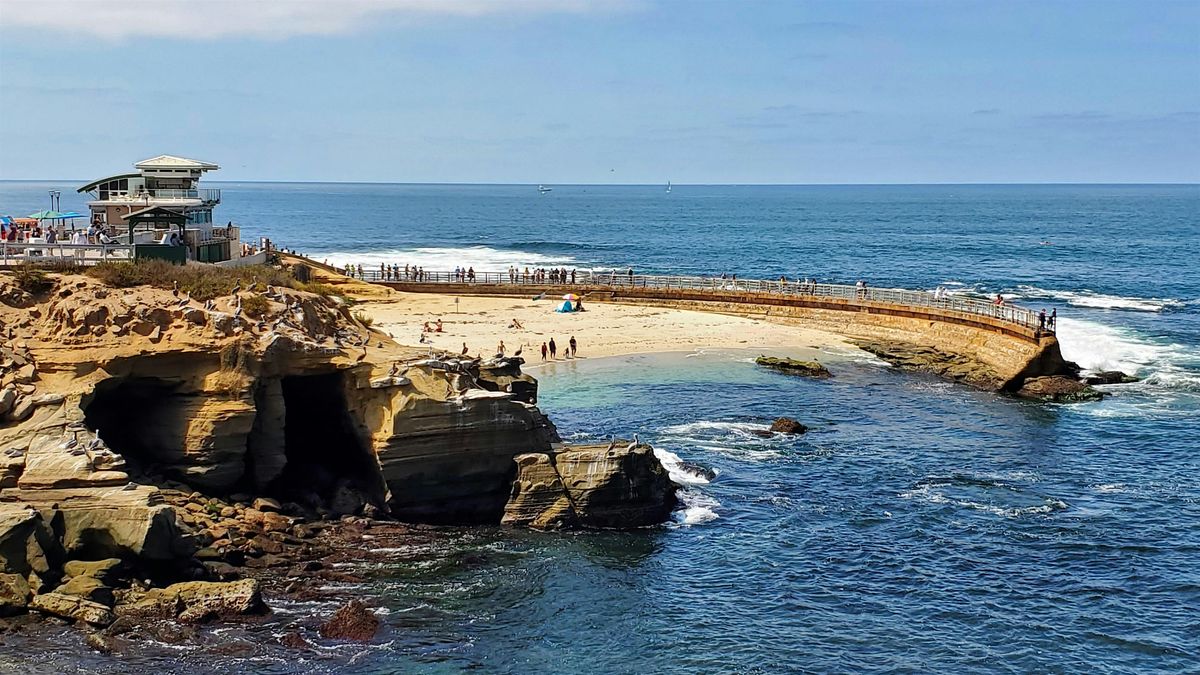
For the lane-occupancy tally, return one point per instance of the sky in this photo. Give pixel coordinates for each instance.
(615, 91)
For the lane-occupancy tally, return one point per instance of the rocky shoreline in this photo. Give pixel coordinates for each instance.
(185, 451)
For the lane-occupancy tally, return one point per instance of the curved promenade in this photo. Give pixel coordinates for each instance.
(754, 294)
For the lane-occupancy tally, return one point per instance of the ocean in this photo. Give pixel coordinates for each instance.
(920, 526)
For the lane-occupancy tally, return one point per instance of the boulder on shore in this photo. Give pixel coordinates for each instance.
(787, 425)
(199, 601)
(793, 366)
(73, 608)
(14, 594)
(1058, 389)
(352, 621)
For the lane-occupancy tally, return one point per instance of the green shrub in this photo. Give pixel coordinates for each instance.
(32, 280)
(255, 306)
(201, 282)
(365, 320)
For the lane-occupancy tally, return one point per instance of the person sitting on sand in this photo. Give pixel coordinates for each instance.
(438, 328)
(579, 305)
(426, 328)
(515, 324)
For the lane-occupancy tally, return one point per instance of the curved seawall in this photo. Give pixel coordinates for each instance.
(1005, 342)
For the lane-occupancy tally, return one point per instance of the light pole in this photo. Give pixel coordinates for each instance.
(54, 199)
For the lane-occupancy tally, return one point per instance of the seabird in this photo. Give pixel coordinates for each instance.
(175, 288)
(237, 314)
(633, 446)
(68, 444)
(253, 286)
(395, 369)
(612, 443)
(209, 305)
(129, 486)
(184, 302)
(464, 351)
(518, 352)
(77, 452)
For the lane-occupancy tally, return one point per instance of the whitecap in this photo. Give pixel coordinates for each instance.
(1095, 346)
(1092, 299)
(482, 258)
(698, 508)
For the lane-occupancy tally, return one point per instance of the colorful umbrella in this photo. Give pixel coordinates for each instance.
(45, 215)
(570, 296)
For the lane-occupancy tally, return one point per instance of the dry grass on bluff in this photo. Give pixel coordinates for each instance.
(201, 282)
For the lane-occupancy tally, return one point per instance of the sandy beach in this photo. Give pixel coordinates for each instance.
(602, 330)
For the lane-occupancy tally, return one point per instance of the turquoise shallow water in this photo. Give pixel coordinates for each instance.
(920, 526)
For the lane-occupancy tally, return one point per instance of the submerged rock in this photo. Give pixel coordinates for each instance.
(353, 621)
(1057, 389)
(787, 425)
(1109, 377)
(793, 366)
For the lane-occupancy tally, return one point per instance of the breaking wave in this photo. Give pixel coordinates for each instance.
(994, 494)
(741, 440)
(1092, 299)
(482, 258)
(1096, 346)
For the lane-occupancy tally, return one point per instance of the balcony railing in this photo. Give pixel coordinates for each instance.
(207, 195)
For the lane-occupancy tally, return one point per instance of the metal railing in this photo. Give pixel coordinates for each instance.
(212, 195)
(15, 254)
(852, 295)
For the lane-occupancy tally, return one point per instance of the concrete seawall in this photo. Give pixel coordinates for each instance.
(1014, 351)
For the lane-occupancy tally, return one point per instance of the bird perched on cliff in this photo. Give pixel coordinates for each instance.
(633, 446)
(237, 313)
(465, 350)
(253, 285)
(68, 444)
(519, 350)
(237, 288)
(395, 369)
(209, 305)
(271, 290)
(14, 452)
(184, 301)
(129, 486)
(612, 443)
(175, 288)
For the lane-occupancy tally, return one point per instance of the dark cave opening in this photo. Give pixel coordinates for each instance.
(326, 455)
(127, 413)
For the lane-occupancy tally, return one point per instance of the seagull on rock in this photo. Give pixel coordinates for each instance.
(633, 446)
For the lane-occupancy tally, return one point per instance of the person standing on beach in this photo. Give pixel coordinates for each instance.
(1053, 318)
(500, 349)
(553, 350)
(573, 347)
(545, 350)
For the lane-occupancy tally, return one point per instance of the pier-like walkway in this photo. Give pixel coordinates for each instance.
(717, 294)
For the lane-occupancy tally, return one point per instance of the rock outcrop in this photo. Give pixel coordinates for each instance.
(199, 601)
(590, 486)
(793, 366)
(352, 621)
(1058, 390)
(787, 425)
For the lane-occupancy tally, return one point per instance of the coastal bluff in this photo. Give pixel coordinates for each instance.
(184, 432)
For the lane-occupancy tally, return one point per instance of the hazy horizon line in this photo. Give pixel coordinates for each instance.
(658, 184)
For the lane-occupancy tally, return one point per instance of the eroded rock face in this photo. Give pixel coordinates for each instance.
(930, 360)
(199, 601)
(794, 367)
(591, 486)
(1057, 389)
(73, 608)
(14, 594)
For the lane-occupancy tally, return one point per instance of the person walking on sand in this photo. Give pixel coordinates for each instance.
(573, 347)
(553, 350)
(545, 350)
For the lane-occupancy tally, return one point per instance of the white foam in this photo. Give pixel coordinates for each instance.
(482, 258)
(676, 469)
(698, 508)
(1096, 346)
(1090, 298)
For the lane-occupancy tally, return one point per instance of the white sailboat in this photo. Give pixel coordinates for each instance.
(668, 186)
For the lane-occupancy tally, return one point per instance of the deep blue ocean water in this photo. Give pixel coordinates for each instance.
(919, 527)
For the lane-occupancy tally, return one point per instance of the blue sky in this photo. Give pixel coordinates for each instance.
(630, 91)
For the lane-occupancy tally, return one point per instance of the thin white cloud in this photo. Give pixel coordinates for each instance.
(211, 19)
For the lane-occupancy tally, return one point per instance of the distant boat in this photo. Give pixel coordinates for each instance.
(543, 189)
(668, 186)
